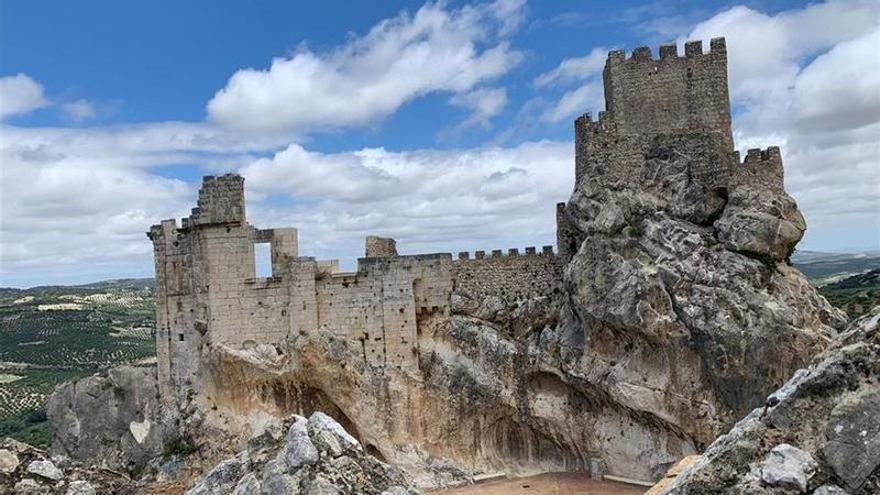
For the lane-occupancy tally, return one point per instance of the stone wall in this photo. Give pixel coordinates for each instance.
(208, 293)
(671, 94)
(512, 276)
(761, 169)
(655, 105)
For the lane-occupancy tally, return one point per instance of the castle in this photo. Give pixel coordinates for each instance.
(207, 289)
(208, 292)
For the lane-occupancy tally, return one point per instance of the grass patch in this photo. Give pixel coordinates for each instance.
(31, 427)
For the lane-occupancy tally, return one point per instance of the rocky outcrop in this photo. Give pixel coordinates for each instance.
(26, 470)
(314, 456)
(684, 307)
(113, 419)
(819, 433)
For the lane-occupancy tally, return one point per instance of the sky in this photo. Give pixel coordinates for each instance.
(447, 125)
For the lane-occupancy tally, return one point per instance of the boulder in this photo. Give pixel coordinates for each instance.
(113, 418)
(317, 456)
(80, 487)
(8, 461)
(788, 467)
(299, 450)
(45, 469)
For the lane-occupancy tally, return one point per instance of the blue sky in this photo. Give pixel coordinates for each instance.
(447, 125)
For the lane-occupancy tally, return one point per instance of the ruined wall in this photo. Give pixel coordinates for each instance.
(760, 169)
(512, 276)
(208, 293)
(377, 308)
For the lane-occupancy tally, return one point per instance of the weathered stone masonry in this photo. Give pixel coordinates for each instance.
(207, 291)
(647, 98)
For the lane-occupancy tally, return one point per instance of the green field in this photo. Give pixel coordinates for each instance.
(49, 335)
(856, 295)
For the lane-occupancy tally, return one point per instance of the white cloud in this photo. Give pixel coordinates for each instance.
(75, 203)
(575, 69)
(372, 76)
(484, 104)
(20, 94)
(79, 110)
(429, 200)
(590, 96)
(765, 52)
(809, 80)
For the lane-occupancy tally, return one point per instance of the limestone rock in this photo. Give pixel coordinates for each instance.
(853, 437)
(80, 488)
(788, 467)
(829, 411)
(113, 418)
(329, 436)
(34, 472)
(829, 490)
(45, 469)
(223, 478)
(247, 485)
(299, 449)
(8, 461)
(293, 465)
(28, 486)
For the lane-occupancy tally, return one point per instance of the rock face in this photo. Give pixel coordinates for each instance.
(113, 419)
(314, 456)
(819, 433)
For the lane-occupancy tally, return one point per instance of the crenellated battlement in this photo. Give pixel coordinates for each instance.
(669, 51)
(529, 251)
(669, 94)
(666, 97)
(760, 169)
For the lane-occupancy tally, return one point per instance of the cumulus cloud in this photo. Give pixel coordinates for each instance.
(587, 71)
(590, 96)
(429, 200)
(370, 77)
(809, 80)
(576, 68)
(20, 94)
(75, 203)
(79, 110)
(484, 104)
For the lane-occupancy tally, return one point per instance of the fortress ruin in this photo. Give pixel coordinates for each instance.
(207, 289)
(208, 292)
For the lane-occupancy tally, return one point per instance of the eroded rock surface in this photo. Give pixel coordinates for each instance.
(819, 433)
(314, 456)
(112, 419)
(29, 470)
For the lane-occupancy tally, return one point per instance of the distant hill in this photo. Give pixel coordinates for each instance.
(52, 334)
(822, 268)
(856, 294)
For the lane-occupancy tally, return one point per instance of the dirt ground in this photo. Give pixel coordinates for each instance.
(547, 484)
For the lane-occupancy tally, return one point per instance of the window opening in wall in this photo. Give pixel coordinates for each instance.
(180, 337)
(263, 259)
